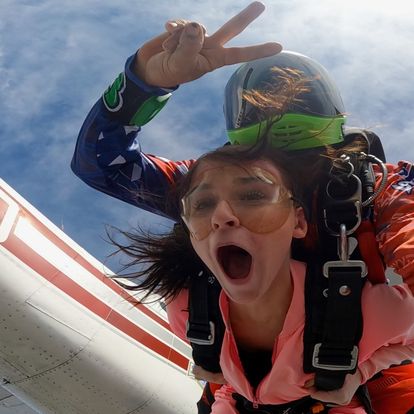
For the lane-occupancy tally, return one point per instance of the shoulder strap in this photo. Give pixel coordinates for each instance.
(333, 324)
(374, 142)
(205, 327)
(334, 281)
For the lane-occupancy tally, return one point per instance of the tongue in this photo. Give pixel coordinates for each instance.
(236, 262)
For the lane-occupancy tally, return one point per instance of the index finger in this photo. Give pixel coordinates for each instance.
(236, 24)
(153, 46)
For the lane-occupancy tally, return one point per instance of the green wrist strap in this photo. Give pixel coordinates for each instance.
(149, 109)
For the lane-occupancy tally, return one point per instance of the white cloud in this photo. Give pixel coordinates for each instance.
(56, 57)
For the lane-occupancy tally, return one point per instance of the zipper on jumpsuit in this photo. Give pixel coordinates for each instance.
(255, 401)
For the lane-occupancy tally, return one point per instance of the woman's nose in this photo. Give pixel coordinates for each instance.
(223, 216)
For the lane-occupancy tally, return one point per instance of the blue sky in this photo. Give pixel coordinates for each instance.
(58, 56)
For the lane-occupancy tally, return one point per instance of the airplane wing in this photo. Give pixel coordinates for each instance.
(9, 404)
(71, 339)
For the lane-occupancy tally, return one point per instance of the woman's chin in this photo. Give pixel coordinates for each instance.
(241, 290)
(242, 297)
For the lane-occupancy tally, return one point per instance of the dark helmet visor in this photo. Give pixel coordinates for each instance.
(321, 100)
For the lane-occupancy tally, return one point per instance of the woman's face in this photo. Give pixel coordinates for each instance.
(242, 221)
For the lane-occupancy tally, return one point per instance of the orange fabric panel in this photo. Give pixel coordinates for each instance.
(394, 220)
(393, 391)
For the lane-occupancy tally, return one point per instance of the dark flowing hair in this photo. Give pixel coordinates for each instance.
(167, 262)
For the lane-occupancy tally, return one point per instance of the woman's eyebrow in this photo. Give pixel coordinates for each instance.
(241, 180)
(200, 187)
(252, 178)
(246, 179)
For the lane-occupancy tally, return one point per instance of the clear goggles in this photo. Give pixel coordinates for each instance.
(258, 199)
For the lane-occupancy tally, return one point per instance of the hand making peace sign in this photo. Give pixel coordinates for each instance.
(185, 52)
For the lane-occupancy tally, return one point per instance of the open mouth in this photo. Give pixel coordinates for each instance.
(235, 261)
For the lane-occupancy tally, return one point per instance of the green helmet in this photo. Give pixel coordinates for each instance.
(315, 119)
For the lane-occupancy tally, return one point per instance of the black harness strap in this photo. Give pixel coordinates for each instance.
(205, 328)
(303, 406)
(363, 396)
(337, 354)
(333, 324)
(372, 139)
(334, 284)
(200, 329)
(206, 400)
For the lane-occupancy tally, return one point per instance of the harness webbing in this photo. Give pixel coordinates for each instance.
(205, 327)
(303, 406)
(333, 325)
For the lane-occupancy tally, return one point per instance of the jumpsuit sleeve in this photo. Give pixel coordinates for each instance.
(388, 318)
(108, 154)
(384, 357)
(177, 312)
(394, 221)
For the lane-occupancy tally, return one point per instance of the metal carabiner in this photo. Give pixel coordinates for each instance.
(342, 163)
